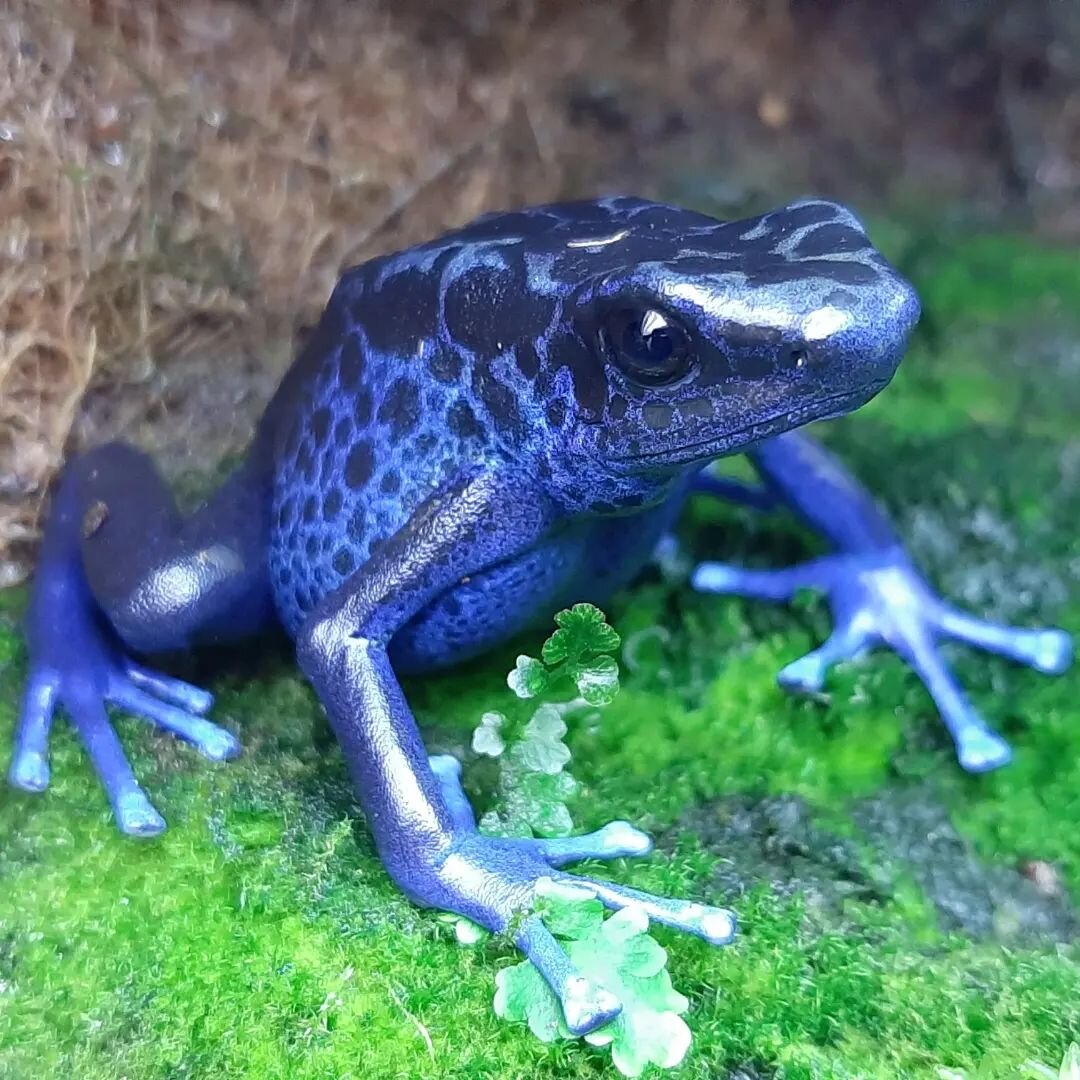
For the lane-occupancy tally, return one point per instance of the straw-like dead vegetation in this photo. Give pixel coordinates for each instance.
(181, 183)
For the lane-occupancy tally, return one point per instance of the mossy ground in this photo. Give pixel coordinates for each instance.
(259, 936)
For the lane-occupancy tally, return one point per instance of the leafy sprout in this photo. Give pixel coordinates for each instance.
(618, 954)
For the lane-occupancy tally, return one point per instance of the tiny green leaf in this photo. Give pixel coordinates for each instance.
(486, 737)
(546, 723)
(528, 678)
(597, 679)
(582, 629)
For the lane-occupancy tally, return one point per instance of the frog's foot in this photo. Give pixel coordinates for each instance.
(83, 685)
(491, 879)
(878, 598)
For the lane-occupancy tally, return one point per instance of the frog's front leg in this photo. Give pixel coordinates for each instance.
(876, 594)
(422, 825)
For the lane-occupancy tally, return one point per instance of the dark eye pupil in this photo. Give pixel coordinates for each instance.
(649, 347)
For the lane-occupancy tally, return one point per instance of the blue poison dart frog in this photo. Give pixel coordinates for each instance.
(480, 431)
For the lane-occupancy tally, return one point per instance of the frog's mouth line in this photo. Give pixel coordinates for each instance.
(760, 429)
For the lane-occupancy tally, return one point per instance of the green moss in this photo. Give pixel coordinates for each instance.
(259, 937)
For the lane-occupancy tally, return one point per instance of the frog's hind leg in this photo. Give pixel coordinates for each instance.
(120, 569)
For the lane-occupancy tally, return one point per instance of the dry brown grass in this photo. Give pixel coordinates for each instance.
(180, 183)
(184, 182)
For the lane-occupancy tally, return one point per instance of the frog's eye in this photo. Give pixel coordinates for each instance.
(649, 346)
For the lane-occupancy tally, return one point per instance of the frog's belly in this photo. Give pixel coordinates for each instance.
(586, 562)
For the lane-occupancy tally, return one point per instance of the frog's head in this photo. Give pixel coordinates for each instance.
(694, 338)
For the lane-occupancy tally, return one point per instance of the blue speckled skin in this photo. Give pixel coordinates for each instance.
(484, 429)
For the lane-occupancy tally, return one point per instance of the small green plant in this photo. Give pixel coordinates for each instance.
(575, 672)
(617, 953)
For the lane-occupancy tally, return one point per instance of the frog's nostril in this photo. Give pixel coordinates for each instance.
(794, 357)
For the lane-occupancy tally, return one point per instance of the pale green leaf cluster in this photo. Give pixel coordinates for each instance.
(618, 954)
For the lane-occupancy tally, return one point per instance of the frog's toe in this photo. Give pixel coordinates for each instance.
(615, 840)
(982, 751)
(447, 770)
(714, 577)
(209, 739)
(586, 1006)
(134, 813)
(192, 699)
(1048, 650)
(29, 769)
(136, 816)
(715, 925)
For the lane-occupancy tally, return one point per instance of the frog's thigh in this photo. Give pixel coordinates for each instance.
(486, 608)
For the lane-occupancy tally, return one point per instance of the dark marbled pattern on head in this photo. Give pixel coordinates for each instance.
(484, 345)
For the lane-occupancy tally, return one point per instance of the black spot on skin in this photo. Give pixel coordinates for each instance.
(468, 304)
(320, 425)
(499, 402)
(360, 464)
(754, 365)
(362, 407)
(403, 311)
(779, 271)
(331, 505)
(401, 408)
(840, 298)
(618, 407)
(515, 223)
(310, 506)
(590, 382)
(376, 546)
(426, 443)
(343, 561)
(488, 309)
(700, 408)
(462, 420)
(390, 483)
(343, 430)
(528, 360)
(830, 239)
(556, 413)
(657, 417)
(351, 364)
(452, 606)
(312, 546)
(445, 365)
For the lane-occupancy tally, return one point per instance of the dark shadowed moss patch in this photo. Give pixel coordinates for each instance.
(980, 899)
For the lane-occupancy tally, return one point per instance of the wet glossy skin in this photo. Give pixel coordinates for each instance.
(484, 429)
